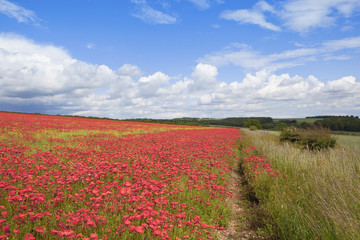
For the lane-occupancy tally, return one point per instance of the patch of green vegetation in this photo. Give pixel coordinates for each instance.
(348, 140)
(298, 120)
(315, 195)
(312, 138)
(351, 139)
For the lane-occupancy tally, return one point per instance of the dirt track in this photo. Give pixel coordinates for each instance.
(239, 226)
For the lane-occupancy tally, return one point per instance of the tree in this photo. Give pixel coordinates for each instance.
(253, 122)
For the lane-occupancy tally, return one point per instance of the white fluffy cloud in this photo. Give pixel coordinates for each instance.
(204, 76)
(44, 78)
(31, 69)
(150, 85)
(344, 85)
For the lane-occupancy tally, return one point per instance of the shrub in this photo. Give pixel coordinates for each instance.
(253, 128)
(282, 125)
(314, 138)
(289, 134)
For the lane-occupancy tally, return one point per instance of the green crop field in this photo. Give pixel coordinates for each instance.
(348, 140)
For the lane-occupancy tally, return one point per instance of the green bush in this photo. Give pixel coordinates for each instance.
(282, 125)
(315, 138)
(289, 134)
(253, 128)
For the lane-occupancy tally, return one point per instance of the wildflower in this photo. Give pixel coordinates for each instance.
(139, 229)
(29, 237)
(39, 229)
(93, 236)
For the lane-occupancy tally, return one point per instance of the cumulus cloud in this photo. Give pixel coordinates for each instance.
(204, 76)
(29, 69)
(149, 86)
(129, 70)
(344, 85)
(21, 14)
(44, 78)
(252, 16)
(284, 95)
(46, 74)
(284, 87)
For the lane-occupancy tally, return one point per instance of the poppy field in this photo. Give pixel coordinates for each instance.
(80, 178)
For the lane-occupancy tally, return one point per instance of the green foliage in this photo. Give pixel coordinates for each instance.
(253, 128)
(288, 121)
(282, 126)
(265, 122)
(315, 138)
(305, 125)
(253, 123)
(289, 134)
(315, 195)
(345, 123)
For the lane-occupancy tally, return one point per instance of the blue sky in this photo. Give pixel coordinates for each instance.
(176, 58)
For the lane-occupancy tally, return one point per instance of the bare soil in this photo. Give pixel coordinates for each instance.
(239, 225)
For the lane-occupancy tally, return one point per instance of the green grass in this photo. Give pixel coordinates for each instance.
(320, 196)
(348, 140)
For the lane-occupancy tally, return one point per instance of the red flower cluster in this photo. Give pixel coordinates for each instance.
(78, 178)
(258, 164)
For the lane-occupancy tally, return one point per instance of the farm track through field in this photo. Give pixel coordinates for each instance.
(239, 226)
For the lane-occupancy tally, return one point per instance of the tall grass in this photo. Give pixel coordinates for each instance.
(317, 195)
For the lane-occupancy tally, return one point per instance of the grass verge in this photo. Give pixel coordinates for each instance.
(304, 195)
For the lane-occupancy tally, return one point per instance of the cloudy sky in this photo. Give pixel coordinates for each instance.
(180, 58)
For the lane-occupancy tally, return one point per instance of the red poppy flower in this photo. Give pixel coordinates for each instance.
(39, 229)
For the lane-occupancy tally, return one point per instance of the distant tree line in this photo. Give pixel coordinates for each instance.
(348, 123)
(332, 116)
(340, 123)
(334, 123)
(259, 122)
